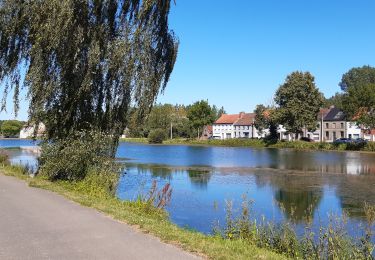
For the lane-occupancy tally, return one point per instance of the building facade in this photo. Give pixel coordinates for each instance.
(235, 126)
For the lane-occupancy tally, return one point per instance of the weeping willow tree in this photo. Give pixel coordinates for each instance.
(84, 63)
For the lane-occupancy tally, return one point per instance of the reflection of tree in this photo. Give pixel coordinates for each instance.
(156, 171)
(353, 192)
(297, 195)
(298, 205)
(199, 179)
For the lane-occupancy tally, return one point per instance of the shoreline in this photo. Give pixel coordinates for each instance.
(148, 221)
(369, 148)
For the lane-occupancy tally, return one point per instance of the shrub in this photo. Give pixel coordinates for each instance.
(81, 156)
(157, 136)
(4, 157)
(370, 146)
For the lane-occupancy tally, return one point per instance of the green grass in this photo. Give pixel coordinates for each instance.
(147, 219)
(260, 143)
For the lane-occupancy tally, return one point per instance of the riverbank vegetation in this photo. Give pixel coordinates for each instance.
(331, 242)
(143, 214)
(241, 236)
(264, 143)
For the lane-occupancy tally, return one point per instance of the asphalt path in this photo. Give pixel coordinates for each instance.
(38, 224)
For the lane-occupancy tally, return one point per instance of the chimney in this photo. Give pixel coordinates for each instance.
(242, 114)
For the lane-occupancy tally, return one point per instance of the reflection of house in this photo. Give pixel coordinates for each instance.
(28, 131)
(235, 126)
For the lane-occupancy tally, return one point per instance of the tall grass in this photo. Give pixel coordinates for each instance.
(4, 157)
(330, 242)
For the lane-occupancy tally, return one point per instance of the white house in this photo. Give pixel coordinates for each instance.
(28, 131)
(235, 126)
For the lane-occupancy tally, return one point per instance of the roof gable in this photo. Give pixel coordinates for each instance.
(335, 114)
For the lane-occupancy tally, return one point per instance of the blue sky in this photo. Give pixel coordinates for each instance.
(237, 53)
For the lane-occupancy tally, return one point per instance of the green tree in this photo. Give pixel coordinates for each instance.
(336, 100)
(11, 128)
(265, 119)
(299, 101)
(358, 99)
(200, 114)
(261, 120)
(357, 77)
(85, 62)
(359, 103)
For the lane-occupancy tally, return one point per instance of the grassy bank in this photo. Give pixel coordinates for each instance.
(146, 218)
(260, 143)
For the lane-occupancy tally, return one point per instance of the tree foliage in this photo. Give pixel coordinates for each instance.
(358, 98)
(357, 77)
(261, 120)
(336, 100)
(218, 112)
(265, 119)
(85, 62)
(299, 101)
(157, 136)
(162, 116)
(11, 128)
(359, 103)
(200, 114)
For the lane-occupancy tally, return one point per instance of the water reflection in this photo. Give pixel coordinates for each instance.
(352, 163)
(285, 184)
(298, 206)
(199, 179)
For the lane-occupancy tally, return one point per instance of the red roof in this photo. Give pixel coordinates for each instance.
(227, 119)
(246, 119)
(236, 119)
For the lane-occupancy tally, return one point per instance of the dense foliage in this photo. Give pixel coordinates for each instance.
(79, 156)
(157, 136)
(265, 120)
(85, 62)
(357, 98)
(299, 101)
(173, 119)
(11, 128)
(201, 114)
(357, 77)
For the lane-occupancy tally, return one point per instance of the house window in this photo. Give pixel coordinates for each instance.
(334, 125)
(327, 134)
(327, 126)
(342, 134)
(342, 125)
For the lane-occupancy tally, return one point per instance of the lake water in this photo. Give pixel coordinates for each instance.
(284, 184)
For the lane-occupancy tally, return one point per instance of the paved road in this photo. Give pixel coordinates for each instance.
(37, 224)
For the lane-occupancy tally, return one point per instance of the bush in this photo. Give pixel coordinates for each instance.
(78, 157)
(4, 157)
(157, 136)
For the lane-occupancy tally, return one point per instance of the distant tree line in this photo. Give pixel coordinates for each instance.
(298, 100)
(10, 128)
(180, 121)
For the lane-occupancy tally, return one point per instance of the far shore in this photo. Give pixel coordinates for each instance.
(260, 143)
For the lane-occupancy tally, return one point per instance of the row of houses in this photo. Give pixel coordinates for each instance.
(331, 125)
